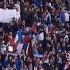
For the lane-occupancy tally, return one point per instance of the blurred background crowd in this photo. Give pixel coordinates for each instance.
(39, 39)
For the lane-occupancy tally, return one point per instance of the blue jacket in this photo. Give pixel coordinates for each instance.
(5, 63)
(20, 38)
(48, 22)
(37, 2)
(18, 63)
(62, 17)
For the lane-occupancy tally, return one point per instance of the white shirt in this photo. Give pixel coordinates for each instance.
(19, 48)
(66, 16)
(41, 36)
(10, 48)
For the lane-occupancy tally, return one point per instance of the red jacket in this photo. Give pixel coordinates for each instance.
(26, 39)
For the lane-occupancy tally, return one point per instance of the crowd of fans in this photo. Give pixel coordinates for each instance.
(42, 34)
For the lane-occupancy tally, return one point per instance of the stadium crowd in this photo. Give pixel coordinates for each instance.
(39, 39)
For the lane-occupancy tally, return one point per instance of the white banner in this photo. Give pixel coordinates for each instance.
(6, 15)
